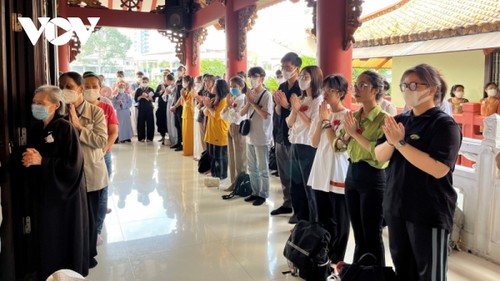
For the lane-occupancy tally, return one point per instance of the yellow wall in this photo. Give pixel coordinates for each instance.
(466, 68)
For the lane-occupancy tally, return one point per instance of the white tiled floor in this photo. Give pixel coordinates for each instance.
(165, 225)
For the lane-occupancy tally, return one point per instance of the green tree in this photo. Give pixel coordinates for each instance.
(103, 48)
(212, 66)
(306, 61)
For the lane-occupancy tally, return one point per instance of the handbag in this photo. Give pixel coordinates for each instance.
(245, 124)
(364, 270)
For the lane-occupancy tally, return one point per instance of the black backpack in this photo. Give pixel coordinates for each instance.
(204, 163)
(242, 187)
(307, 251)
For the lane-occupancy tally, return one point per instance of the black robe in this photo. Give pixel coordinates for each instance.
(161, 112)
(63, 217)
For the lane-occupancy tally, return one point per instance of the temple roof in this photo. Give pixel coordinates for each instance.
(420, 20)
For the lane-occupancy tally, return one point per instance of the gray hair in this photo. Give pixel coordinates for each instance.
(55, 96)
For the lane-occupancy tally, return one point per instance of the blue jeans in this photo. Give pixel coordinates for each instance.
(103, 201)
(258, 169)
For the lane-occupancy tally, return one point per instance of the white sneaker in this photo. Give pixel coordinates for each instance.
(212, 182)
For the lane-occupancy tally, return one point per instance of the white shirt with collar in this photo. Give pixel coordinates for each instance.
(299, 132)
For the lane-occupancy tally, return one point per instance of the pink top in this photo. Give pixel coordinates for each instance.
(109, 114)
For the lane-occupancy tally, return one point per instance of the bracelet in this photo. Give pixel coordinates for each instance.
(325, 126)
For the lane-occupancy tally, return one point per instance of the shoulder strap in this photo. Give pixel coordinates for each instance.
(258, 102)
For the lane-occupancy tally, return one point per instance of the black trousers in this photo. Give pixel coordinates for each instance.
(303, 201)
(283, 163)
(161, 121)
(178, 124)
(333, 215)
(145, 121)
(364, 192)
(419, 252)
(93, 199)
(219, 161)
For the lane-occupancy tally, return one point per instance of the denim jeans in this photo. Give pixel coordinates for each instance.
(258, 169)
(103, 201)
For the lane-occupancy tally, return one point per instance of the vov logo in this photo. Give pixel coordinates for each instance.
(50, 26)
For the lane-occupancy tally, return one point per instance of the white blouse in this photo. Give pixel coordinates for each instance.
(232, 115)
(329, 168)
(299, 133)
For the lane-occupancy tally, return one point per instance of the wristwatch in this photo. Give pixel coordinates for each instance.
(399, 144)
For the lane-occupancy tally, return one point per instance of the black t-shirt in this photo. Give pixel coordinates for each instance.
(411, 193)
(280, 131)
(178, 89)
(162, 104)
(144, 104)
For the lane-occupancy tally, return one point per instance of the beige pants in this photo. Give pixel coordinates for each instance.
(237, 152)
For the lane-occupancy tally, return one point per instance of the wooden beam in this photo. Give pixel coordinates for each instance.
(213, 12)
(208, 15)
(118, 18)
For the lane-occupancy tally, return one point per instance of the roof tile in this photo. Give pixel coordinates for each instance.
(420, 20)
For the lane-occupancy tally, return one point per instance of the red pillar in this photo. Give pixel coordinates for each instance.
(192, 70)
(233, 65)
(63, 51)
(63, 58)
(330, 35)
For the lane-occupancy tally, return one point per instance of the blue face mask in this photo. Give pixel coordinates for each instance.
(235, 91)
(40, 112)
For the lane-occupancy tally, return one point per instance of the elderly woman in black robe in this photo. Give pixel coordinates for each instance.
(55, 162)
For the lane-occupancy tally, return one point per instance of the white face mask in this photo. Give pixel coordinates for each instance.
(491, 92)
(255, 82)
(413, 98)
(288, 74)
(91, 95)
(281, 80)
(144, 85)
(459, 94)
(304, 84)
(70, 96)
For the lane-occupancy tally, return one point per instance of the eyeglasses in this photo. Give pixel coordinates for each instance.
(412, 86)
(329, 90)
(360, 86)
(304, 77)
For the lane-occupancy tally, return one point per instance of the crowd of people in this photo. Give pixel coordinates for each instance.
(362, 169)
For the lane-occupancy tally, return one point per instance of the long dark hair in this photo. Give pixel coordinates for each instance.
(221, 89)
(316, 79)
(189, 80)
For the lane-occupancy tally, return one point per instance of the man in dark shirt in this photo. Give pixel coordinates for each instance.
(290, 66)
(145, 119)
(181, 71)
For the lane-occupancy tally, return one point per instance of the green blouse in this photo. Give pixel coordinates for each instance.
(371, 129)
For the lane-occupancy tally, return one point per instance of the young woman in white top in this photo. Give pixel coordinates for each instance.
(329, 168)
(236, 142)
(304, 109)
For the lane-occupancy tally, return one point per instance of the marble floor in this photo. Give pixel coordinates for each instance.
(166, 225)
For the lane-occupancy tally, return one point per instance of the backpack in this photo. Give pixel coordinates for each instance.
(242, 187)
(204, 163)
(307, 251)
